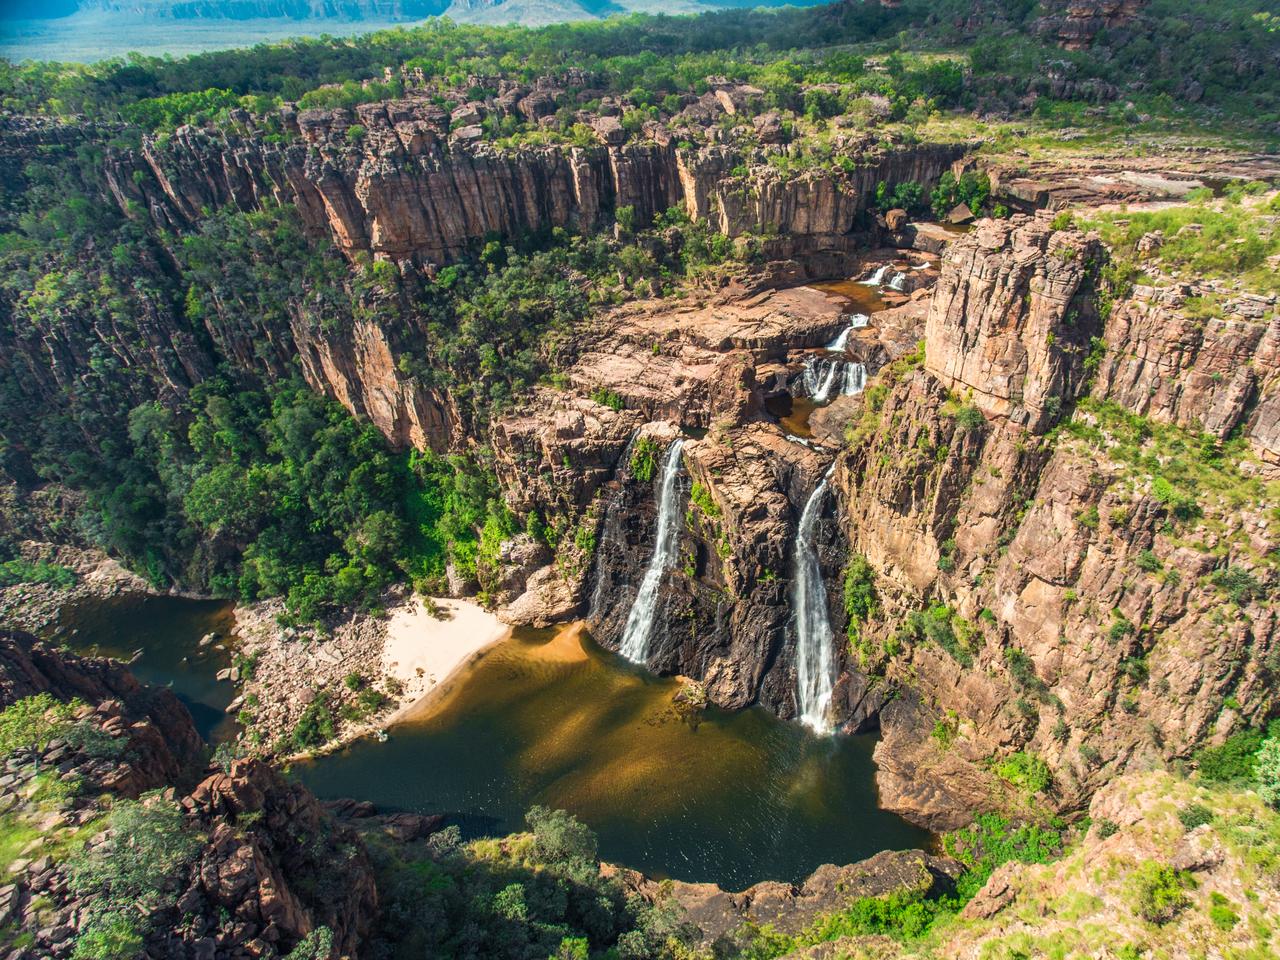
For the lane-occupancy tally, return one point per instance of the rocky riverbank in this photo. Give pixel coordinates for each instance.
(304, 690)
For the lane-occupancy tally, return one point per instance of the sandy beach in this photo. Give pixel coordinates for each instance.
(421, 649)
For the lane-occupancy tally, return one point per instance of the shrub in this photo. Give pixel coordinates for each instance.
(32, 722)
(607, 398)
(23, 571)
(315, 727)
(109, 936)
(644, 458)
(1159, 891)
(559, 837)
(860, 600)
(1267, 771)
(1235, 759)
(1220, 912)
(355, 132)
(1025, 771)
(1238, 584)
(1195, 815)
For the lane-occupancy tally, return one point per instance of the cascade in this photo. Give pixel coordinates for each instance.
(824, 375)
(638, 632)
(855, 379)
(878, 277)
(859, 320)
(841, 340)
(814, 656)
(898, 282)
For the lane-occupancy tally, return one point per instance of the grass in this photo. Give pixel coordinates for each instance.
(1198, 477)
(1228, 239)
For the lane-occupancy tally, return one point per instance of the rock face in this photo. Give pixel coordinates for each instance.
(1038, 592)
(1215, 375)
(403, 191)
(1010, 319)
(29, 667)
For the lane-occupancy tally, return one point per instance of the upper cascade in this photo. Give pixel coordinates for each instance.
(638, 632)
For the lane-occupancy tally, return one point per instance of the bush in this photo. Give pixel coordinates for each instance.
(1025, 771)
(315, 727)
(1235, 759)
(1267, 771)
(32, 722)
(1159, 891)
(644, 458)
(1221, 914)
(559, 837)
(109, 936)
(1195, 815)
(23, 571)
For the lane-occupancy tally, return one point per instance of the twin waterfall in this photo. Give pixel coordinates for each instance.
(815, 660)
(638, 632)
(815, 656)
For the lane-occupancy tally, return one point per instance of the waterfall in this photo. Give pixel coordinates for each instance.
(859, 320)
(639, 629)
(815, 660)
(878, 277)
(855, 379)
(823, 375)
(899, 282)
(841, 340)
(819, 377)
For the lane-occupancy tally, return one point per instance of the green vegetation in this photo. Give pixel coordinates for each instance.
(1196, 476)
(644, 459)
(909, 915)
(1159, 891)
(1267, 770)
(1236, 758)
(41, 571)
(536, 894)
(860, 600)
(128, 877)
(1026, 772)
(1231, 239)
(941, 625)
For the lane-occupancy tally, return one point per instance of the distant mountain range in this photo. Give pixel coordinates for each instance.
(494, 11)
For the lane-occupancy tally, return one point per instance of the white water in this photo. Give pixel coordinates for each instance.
(878, 277)
(824, 375)
(855, 379)
(814, 655)
(639, 629)
(859, 320)
(841, 340)
(898, 282)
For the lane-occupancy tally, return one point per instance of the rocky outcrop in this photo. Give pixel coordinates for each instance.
(29, 667)
(1010, 320)
(719, 915)
(269, 866)
(1214, 374)
(1075, 24)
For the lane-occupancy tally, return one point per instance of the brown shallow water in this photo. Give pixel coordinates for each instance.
(550, 718)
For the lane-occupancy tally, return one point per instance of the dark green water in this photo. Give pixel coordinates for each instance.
(168, 631)
(553, 719)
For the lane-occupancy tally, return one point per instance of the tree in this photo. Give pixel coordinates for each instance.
(1267, 771)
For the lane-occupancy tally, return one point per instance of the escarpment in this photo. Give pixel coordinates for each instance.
(1050, 593)
(401, 181)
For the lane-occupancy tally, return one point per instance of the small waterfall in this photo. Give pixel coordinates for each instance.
(859, 320)
(824, 375)
(878, 277)
(855, 379)
(819, 377)
(639, 629)
(841, 340)
(899, 282)
(815, 661)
